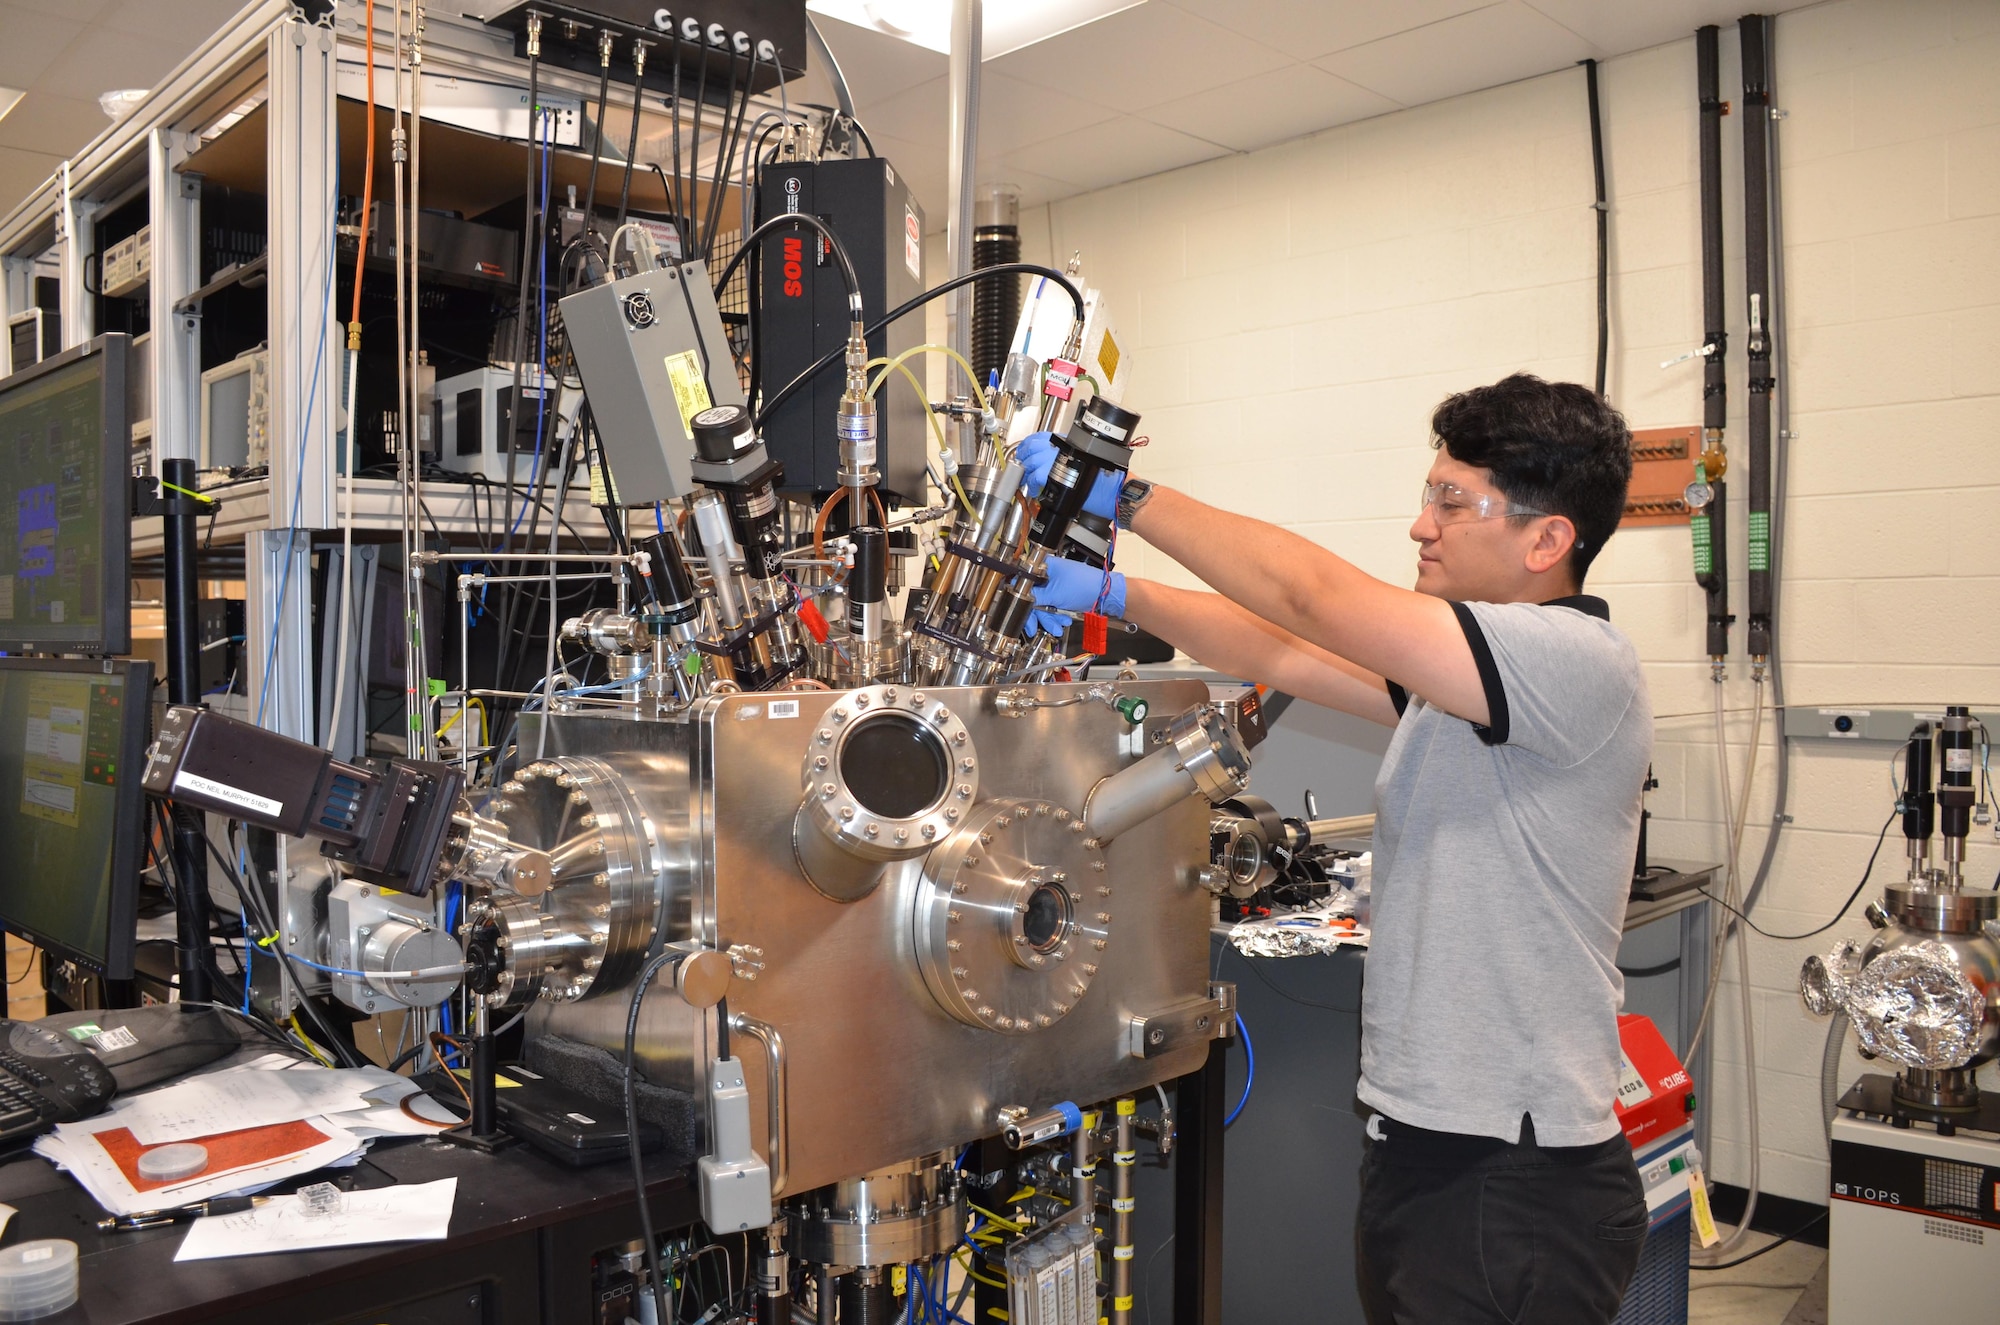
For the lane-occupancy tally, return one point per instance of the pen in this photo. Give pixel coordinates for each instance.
(180, 1214)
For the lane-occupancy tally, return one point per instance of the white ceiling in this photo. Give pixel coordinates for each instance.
(1173, 82)
(1162, 85)
(65, 53)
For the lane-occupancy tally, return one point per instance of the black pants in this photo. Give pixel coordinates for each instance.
(1462, 1228)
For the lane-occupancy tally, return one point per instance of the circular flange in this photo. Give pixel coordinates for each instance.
(595, 856)
(889, 772)
(1013, 916)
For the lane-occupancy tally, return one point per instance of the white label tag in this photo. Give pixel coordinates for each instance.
(913, 242)
(581, 1118)
(34, 1254)
(116, 1038)
(1632, 1088)
(231, 795)
(784, 708)
(1958, 761)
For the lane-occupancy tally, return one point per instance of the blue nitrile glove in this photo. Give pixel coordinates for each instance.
(1075, 587)
(1036, 455)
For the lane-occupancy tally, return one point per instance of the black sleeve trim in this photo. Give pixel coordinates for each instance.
(1496, 729)
(1398, 696)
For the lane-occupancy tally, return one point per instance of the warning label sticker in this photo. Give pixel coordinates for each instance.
(690, 388)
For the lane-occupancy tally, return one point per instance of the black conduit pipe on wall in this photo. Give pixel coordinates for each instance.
(1774, 322)
(1603, 208)
(1708, 524)
(1757, 289)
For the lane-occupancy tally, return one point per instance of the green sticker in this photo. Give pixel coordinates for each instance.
(1760, 540)
(1704, 551)
(691, 663)
(85, 1031)
(434, 687)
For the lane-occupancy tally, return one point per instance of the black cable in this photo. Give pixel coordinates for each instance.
(1603, 225)
(956, 282)
(1279, 990)
(847, 275)
(692, 243)
(1779, 1242)
(660, 1309)
(1641, 972)
(1792, 938)
(680, 193)
(709, 212)
(531, 234)
(597, 146)
(632, 148)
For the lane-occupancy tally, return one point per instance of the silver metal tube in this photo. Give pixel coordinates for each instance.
(1123, 1157)
(1354, 825)
(718, 548)
(1204, 755)
(967, 22)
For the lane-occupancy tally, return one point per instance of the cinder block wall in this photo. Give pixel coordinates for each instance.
(1297, 312)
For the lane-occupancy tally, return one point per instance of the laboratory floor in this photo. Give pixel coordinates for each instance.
(1782, 1287)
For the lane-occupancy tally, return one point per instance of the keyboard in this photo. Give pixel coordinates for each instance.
(47, 1078)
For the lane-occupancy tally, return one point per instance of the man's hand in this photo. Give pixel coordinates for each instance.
(1037, 456)
(1075, 587)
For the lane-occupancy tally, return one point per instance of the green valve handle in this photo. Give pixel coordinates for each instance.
(1133, 708)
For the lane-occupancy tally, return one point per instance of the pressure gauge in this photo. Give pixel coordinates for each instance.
(1698, 494)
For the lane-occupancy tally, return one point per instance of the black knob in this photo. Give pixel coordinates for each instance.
(721, 433)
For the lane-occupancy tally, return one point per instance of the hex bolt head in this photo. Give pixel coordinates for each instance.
(1156, 1036)
(929, 831)
(847, 812)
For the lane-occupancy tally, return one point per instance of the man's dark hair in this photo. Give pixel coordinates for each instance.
(1556, 446)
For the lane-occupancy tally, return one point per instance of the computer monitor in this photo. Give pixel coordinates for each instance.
(73, 738)
(65, 503)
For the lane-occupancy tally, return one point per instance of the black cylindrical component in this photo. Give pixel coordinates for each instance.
(484, 1085)
(870, 581)
(1099, 440)
(1089, 541)
(1954, 781)
(1010, 612)
(863, 1302)
(774, 1309)
(1715, 387)
(671, 583)
(183, 611)
(753, 518)
(722, 432)
(1919, 805)
(1753, 30)
(996, 302)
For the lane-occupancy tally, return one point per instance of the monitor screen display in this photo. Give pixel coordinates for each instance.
(65, 524)
(72, 815)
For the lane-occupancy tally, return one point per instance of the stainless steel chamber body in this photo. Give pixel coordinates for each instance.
(909, 895)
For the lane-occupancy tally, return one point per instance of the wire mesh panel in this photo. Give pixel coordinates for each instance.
(1658, 1293)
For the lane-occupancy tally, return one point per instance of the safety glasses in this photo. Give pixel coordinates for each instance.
(1455, 505)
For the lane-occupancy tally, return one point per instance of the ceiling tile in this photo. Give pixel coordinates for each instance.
(187, 23)
(77, 11)
(33, 43)
(45, 124)
(876, 66)
(22, 172)
(1482, 49)
(1271, 108)
(108, 58)
(1113, 152)
(1011, 113)
(1139, 58)
(1614, 27)
(1308, 31)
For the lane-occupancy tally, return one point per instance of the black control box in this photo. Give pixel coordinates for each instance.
(802, 315)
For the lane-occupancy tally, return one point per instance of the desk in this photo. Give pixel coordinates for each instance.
(1291, 1164)
(522, 1235)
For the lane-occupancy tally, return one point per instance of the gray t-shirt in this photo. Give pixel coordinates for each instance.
(1503, 859)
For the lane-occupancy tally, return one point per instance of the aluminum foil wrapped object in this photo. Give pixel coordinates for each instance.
(1302, 934)
(1823, 981)
(1915, 1007)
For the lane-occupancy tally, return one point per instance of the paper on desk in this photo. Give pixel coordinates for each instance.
(387, 1214)
(249, 1096)
(102, 1154)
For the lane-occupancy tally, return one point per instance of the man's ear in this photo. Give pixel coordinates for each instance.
(1553, 541)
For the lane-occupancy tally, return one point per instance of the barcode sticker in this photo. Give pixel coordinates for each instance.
(784, 708)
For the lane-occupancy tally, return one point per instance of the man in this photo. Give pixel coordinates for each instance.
(1496, 1185)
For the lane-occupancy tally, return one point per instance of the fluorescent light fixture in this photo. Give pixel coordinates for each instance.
(10, 97)
(1009, 24)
